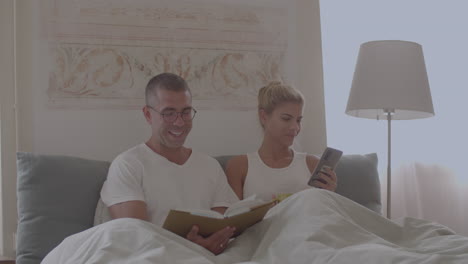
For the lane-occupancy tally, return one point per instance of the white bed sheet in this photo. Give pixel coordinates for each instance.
(312, 226)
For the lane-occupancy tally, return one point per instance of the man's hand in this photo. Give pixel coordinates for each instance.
(216, 243)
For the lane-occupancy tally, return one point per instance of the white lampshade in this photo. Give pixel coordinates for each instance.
(390, 76)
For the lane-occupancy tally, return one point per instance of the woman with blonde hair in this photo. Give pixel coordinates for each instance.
(276, 169)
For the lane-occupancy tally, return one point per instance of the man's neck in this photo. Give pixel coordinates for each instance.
(177, 155)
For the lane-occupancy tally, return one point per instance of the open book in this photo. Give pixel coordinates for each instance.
(241, 215)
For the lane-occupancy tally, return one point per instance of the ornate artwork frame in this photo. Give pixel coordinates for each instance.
(102, 53)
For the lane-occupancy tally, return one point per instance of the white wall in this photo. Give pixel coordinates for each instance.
(102, 134)
(309, 75)
(7, 128)
(239, 132)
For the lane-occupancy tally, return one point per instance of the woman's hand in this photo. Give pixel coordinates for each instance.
(327, 181)
(216, 243)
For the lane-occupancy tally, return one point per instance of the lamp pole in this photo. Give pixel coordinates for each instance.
(389, 162)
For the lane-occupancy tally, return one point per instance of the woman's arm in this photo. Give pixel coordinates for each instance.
(236, 170)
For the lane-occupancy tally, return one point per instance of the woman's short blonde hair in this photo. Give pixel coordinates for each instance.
(276, 93)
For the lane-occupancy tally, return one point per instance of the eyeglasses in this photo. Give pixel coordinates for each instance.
(170, 116)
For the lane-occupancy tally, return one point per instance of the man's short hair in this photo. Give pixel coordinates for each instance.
(165, 81)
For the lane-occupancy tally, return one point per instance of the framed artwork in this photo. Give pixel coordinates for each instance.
(102, 53)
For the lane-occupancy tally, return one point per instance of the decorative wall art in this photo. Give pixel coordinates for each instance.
(102, 53)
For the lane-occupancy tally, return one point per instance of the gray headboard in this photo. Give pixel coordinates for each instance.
(57, 196)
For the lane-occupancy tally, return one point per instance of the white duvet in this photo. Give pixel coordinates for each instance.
(312, 226)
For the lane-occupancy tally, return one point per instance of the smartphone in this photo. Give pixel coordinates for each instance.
(329, 159)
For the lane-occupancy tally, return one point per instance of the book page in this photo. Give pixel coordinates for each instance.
(243, 206)
(237, 208)
(201, 212)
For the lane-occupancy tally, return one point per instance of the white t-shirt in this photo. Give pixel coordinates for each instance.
(141, 174)
(266, 182)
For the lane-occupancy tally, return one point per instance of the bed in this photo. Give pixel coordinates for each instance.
(58, 199)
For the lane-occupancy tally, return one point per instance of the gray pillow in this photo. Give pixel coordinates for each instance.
(57, 196)
(358, 180)
(223, 160)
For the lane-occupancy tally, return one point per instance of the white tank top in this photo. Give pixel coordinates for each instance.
(267, 182)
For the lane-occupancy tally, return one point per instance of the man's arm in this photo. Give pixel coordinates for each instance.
(130, 209)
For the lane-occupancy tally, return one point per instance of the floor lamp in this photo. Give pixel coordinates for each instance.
(390, 82)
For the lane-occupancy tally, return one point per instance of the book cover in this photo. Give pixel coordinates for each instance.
(181, 221)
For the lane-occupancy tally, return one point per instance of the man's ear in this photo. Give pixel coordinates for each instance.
(147, 113)
(262, 115)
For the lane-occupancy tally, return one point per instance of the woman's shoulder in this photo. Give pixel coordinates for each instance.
(312, 157)
(312, 161)
(236, 161)
(237, 166)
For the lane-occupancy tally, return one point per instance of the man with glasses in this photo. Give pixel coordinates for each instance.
(148, 180)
